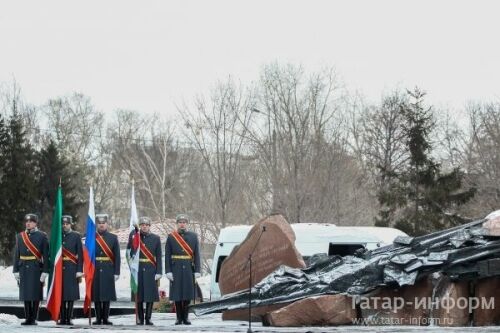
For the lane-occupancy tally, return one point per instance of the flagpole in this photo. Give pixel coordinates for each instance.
(194, 280)
(134, 235)
(137, 291)
(90, 305)
(136, 314)
(62, 280)
(135, 294)
(90, 254)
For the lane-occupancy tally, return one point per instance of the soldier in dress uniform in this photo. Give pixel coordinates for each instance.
(150, 270)
(31, 266)
(107, 270)
(182, 265)
(72, 269)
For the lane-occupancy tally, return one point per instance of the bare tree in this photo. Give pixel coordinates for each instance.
(377, 140)
(216, 127)
(480, 157)
(300, 135)
(452, 141)
(11, 99)
(384, 138)
(145, 150)
(75, 125)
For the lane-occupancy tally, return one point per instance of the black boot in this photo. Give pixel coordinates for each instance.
(105, 317)
(62, 314)
(185, 312)
(98, 313)
(34, 312)
(149, 312)
(140, 314)
(69, 313)
(27, 313)
(178, 313)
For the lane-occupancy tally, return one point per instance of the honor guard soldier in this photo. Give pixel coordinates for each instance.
(107, 270)
(182, 265)
(31, 267)
(150, 269)
(72, 269)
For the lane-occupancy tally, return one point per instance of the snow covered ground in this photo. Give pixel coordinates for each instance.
(208, 324)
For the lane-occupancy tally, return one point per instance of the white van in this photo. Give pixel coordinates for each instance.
(310, 238)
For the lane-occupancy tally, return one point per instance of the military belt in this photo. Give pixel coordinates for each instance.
(103, 258)
(68, 258)
(175, 256)
(27, 257)
(144, 260)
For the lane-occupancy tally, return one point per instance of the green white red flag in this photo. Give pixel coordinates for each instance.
(54, 293)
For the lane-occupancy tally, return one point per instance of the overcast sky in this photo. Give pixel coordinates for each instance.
(146, 55)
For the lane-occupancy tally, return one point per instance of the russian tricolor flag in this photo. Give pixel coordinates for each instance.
(89, 254)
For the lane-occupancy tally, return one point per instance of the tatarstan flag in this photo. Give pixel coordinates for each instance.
(54, 293)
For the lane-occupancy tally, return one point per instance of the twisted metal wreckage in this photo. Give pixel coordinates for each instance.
(463, 252)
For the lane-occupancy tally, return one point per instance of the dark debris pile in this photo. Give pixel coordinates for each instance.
(464, 252)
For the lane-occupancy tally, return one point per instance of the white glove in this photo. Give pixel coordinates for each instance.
(79, 274)
(117, 277)
(16, 275)
(197, 275)
(170, 276)
(43, 276)
(157, 277)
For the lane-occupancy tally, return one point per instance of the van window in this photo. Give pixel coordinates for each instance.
(344, 249)
(219, 263)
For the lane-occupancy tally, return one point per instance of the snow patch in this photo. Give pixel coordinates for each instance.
(8, 320)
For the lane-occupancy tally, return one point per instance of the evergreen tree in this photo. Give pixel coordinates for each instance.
(17, 183)
(4, 139)
(54, 168)
(420, 198)
(390, 197)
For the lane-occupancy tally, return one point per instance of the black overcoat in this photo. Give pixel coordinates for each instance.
(147, 289)
(30, 287)
(103, 286)
(182, 288)
(72, 241)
